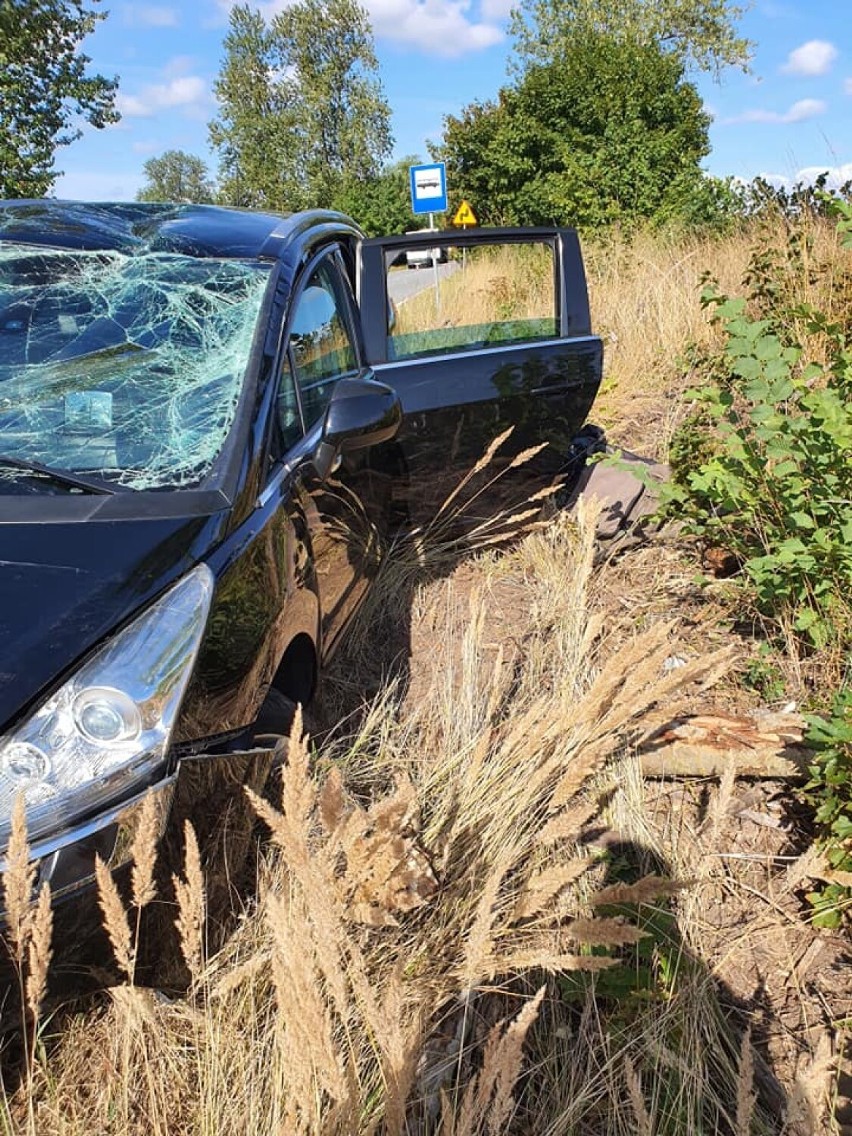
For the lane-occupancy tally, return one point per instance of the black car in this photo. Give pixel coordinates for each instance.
(208, 420)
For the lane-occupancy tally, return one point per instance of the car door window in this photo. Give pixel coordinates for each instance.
(488, 295)
(287, 408)
(321, 349)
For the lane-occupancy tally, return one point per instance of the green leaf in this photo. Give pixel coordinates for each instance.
(790, 550)
(784, 468)
(767, 347)
(747, 367)
(776, 370)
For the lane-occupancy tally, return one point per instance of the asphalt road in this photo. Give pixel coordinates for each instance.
(403, 283)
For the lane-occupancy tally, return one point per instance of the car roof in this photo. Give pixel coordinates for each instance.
(143, 227)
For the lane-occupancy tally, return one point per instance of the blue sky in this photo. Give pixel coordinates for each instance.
(789, 118)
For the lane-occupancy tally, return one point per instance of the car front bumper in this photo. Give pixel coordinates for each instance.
(207, 791)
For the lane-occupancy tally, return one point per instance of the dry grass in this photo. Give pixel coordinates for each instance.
(644, 298)
(505, 282)
(352, 998)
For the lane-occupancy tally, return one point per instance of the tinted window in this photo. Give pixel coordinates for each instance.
(466, 298)
(320, 345)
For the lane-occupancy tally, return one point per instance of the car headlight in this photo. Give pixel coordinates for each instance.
(107, 728)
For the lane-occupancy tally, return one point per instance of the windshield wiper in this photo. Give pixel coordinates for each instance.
(61, 476)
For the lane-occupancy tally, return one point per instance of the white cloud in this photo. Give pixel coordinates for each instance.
(800, 111)
(804, 109)
(436, 27)
(189, 93)
(496, 9)
(151, 16)
(777, 181)
(837, 176)
(446, 28)
(813, 58)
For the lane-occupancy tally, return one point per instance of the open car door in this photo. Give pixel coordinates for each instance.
(494, 332)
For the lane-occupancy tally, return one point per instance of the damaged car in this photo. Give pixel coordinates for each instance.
(208, 427)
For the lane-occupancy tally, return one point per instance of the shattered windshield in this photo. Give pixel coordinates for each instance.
(124, 366)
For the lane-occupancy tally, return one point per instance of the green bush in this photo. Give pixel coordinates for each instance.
(830, 791)
(762, 467)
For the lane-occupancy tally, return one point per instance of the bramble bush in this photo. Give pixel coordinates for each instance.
(830, 791)
(763, 469)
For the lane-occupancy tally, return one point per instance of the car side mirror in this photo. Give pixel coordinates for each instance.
(361, 413)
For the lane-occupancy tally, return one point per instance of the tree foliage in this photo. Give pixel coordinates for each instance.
(701, 33)
(176, 176)
(381, 204)
(45, 89)
(610, 132)
(301, 110)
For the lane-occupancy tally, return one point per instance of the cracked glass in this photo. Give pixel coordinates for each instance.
(128, 367)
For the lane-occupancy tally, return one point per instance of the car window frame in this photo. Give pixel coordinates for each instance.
(344, 306)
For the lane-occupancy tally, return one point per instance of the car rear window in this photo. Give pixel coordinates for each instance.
(127, 366)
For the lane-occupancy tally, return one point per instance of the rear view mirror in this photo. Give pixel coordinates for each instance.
(361, 413)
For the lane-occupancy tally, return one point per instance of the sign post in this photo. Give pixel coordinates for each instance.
(429, 195)
(464, 216)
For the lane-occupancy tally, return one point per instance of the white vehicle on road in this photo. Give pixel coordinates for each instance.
(423, 257)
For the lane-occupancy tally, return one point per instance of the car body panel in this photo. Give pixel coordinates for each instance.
(454, 407)
(64, 587)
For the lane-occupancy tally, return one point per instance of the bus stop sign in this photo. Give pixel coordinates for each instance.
(428, 188)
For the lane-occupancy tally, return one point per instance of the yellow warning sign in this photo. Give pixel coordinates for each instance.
(464, 215)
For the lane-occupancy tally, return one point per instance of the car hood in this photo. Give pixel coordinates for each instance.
(64, 587)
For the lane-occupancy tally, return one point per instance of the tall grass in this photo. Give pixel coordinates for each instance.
(644, 298)
(490, 285)
(412, 892)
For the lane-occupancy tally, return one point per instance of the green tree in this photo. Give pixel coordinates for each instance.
(45, 89)
(301, 110)
(609, 132)
(381, 205)
(251, 132)
(482, 166)
(701, 33)
(176, 176)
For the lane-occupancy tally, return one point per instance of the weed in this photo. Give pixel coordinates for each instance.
(830, 791)
(763, 674)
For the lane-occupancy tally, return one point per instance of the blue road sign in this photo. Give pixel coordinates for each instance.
(428, 188)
